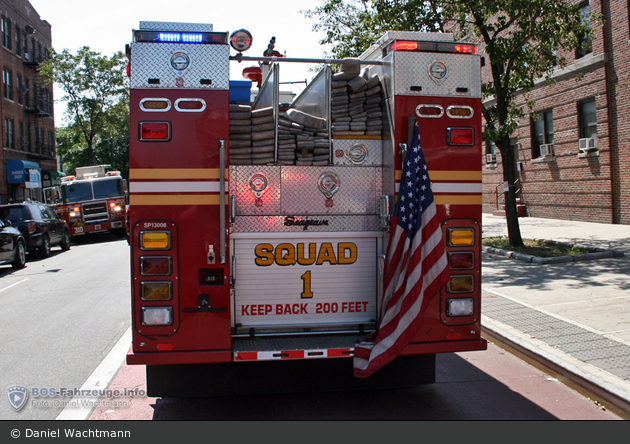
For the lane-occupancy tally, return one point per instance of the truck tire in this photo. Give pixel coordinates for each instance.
(20, 256)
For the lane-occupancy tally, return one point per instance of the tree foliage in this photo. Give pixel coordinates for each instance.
(522, 40)
(96, 92)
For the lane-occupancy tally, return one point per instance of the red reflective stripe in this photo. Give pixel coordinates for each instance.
(340, 352)
(246, 356)
(293, 354)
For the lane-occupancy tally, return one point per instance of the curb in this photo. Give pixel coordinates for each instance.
(588, 385)
(599, 253)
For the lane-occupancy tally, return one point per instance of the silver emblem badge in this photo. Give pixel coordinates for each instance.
(258, 184)
(180, 62)
(17, 396)
(357, 154)
(438, 71)
(328, 184)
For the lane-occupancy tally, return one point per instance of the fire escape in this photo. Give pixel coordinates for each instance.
(39, 108)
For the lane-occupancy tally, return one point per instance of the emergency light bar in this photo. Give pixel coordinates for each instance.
(410, 45)
(180, 37)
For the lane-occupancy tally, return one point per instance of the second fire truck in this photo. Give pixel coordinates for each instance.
(258, 232)
(93, 200)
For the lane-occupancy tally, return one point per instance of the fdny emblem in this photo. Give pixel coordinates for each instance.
(17, 396)
(180, 62)
(357, 154)
(328, 184)
(258, 184)
(438, 71)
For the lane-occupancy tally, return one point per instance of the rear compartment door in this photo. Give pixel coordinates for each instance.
(285, 280)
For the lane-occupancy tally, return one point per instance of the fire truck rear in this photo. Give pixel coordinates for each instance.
(93, 200)
(258, 233)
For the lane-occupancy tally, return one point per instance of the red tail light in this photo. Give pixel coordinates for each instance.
(31, 227)
(460, 136)
(430, 111)
(467, 49)
(405, 46)
(156, 131)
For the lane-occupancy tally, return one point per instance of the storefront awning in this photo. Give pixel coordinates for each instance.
(51, 178)
(17, 170)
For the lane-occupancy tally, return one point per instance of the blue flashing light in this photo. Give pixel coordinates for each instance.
(174, 37)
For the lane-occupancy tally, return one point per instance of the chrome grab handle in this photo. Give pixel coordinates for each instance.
(232, 208)
(384, 211)
(222, 200)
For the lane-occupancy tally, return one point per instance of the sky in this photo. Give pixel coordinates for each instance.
(106, 27)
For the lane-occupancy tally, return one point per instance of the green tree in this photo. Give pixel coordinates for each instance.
(96, 92)
(522, 40)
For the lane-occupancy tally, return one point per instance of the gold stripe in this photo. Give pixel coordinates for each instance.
(175, 173)
(456, 199)
(449, 175)
(176, 199)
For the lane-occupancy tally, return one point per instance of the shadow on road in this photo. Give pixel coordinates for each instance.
(477, 396)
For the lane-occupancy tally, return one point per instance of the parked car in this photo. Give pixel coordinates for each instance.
(39, 225)
(12, 246)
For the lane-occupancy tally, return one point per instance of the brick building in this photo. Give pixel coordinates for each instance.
(574, 161)
(26, 112)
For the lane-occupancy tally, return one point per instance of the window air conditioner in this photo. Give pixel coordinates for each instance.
(588, 145)
(27, 56)
(546, 150)
(491, 158)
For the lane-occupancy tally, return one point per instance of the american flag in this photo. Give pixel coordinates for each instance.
(415, 267)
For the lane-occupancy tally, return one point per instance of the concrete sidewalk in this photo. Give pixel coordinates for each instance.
(572, 317)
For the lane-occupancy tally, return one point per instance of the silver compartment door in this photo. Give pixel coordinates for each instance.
(276, 293)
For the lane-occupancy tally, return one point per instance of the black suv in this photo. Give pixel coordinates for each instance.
(39, 225)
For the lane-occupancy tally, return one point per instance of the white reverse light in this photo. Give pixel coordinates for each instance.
(460, 307)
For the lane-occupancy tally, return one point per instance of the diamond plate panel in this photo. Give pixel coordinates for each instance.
(153, 61)
(298, 192)
(359, 188)
(275, 224)
(246, 201)
(176, 26)
(374, 151)
(412, 69)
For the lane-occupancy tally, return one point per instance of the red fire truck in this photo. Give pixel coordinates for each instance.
(258, 233)
(93, 200)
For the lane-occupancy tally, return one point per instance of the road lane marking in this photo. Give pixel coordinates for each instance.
(13, 285)
(98, 380)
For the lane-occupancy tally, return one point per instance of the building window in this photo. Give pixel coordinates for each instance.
(25, 45)
(20, 89)
(587, 113)
(586, 45)
(7, 81)
(5, 27)
(51, 144)
(21, 140)
(9, 141)
(27, 95)
(491, 153)
(17, 40)
(542, 133)
(29, 141)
